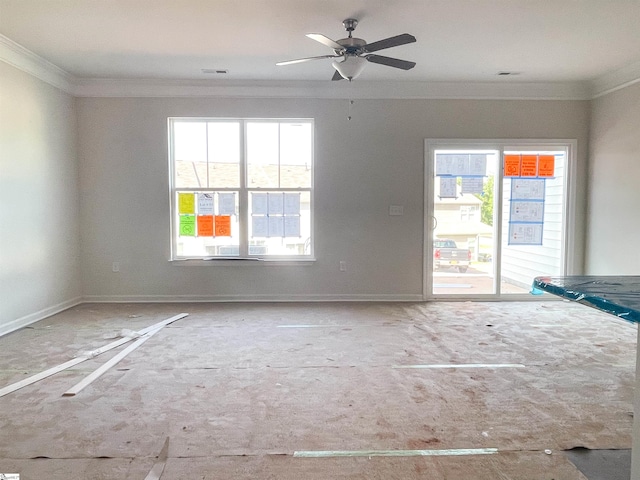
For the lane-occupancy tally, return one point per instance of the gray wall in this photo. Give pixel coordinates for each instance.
(39, 200)
(362, 166)
(614, 181)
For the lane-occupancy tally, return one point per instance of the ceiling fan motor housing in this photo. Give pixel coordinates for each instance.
(352, 46)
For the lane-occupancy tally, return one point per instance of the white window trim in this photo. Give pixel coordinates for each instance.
(243, 259)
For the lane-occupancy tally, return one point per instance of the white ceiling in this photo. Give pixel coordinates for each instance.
(457, 40)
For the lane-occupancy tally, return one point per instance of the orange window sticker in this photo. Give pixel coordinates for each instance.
(529, 166)
(205, 225)
(223, 225)
(512, 165)
(546, 165)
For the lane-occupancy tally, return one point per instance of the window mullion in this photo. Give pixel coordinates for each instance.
(206, 130)
(243, 200)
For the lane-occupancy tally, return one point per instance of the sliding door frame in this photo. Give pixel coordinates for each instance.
(570, 262)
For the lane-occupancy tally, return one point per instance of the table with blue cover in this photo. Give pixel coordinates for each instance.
(617, 295)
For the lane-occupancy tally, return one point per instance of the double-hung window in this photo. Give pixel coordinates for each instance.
(241, 188)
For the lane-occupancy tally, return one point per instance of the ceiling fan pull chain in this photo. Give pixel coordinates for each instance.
(350, 104)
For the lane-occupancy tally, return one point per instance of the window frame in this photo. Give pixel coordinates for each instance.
(244, 192)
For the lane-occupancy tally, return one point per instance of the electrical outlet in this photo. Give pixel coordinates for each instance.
(343, 266)
(115, 267)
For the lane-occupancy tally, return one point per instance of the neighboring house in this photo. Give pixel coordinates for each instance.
(459, 220)
(522, 263)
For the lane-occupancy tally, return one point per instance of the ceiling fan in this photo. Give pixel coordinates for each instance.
(352, 54)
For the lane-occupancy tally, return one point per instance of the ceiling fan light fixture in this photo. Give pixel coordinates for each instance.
(350, 67)
(352, 53)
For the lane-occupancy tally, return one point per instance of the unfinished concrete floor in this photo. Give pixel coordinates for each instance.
(245, 391)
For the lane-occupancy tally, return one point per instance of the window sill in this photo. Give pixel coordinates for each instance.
(241, 262)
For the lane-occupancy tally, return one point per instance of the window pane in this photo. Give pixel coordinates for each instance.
(532, 221)
(207, 224)
(262, 155)
(296, 151)
(190, 154)
(280, 223)
(224, 154)
(463, 230)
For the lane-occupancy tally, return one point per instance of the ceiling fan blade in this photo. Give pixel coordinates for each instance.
(390, 42)
(391, 62)
(308, 59)
(318, 37)
(337, 76)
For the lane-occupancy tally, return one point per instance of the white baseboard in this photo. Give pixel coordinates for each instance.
(47, 312)
(250, 298)
(37, 316)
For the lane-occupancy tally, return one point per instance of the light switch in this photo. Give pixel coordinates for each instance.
(396, 210)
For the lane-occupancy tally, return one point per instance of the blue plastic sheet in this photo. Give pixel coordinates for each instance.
(617, 295)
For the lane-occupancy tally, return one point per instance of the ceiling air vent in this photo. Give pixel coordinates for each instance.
(214, 71)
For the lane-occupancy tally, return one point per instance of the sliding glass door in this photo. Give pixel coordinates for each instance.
(496, 216)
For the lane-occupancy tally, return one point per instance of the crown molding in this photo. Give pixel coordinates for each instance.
(19, 57)
(616, 80)
(361, 89)
(23, 59)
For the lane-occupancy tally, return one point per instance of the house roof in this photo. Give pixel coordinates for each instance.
(221, 175)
